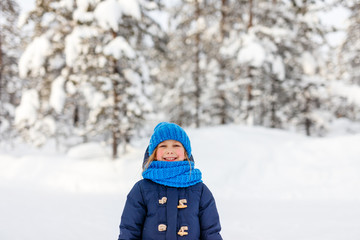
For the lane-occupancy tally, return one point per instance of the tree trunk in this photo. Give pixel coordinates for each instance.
(76, 116)
(307, 119)
(116, 111)
(1, 69)
(223, 31)
(249, 87)
(306, 110)
(273, 103)
(197, 70)
(250, 23)
(114, 144)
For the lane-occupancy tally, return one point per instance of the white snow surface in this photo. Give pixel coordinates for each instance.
(88, 151)
(268, 185)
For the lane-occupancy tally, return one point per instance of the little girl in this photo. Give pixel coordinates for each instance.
(171, 202)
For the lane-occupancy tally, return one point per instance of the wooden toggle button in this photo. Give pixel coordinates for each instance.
(163, 200)
(182, 231)
(162, 228)
(182, 203)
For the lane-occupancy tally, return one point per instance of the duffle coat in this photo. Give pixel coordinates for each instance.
(157, 212)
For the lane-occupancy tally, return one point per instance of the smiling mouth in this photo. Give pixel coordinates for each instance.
(170, 159)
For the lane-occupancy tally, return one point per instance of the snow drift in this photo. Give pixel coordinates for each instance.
(268, 184)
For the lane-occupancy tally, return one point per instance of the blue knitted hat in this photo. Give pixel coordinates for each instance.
(169, 131)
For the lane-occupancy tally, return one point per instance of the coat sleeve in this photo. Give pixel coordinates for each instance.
(209, 217)
(133, 216)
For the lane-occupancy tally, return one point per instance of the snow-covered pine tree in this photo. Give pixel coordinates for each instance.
(182, 77)
(351, 47)
(40, 65)
(272, 53)
(257, 62)
(125, 38)
(9, 54)
(222, 91)
(100, 86)
(308, 111)
(346, 102)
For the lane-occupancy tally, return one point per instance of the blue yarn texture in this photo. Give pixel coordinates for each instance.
(173, 174)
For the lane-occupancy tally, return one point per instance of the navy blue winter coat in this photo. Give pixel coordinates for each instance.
(157, 212)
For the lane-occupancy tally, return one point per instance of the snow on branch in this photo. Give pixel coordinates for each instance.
(73, 43)
(34, 57)
(119, 47)
(109, 13)
(350, 92)
(58, 95)
(26, 112)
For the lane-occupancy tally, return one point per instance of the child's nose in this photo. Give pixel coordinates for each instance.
(169, 150)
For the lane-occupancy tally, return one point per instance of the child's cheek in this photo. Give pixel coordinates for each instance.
(181, 154)
(159, 154)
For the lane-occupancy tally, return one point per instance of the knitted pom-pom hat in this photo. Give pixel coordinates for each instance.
(169, 131)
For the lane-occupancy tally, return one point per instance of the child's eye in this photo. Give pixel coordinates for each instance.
(162, 146)
(176, 145)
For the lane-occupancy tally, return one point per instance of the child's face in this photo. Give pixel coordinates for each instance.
(170, 151)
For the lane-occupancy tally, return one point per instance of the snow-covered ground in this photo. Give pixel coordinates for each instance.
(268, 185)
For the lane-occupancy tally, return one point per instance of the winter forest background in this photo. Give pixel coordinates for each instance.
(91, 70)
(268, 91)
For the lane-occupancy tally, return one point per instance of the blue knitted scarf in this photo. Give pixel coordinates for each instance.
(173, 174)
